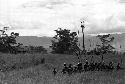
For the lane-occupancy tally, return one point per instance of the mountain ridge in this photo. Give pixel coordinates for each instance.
(89, 41)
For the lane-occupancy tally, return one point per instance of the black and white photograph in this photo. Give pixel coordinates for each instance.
(62, 41)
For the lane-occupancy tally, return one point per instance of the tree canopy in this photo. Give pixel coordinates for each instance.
(6, 41)
(64, 41)
(105, 46)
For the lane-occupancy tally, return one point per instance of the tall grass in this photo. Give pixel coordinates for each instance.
(42, 73)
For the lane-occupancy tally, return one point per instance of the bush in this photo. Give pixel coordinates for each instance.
(64, 41)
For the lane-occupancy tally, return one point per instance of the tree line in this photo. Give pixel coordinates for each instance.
(8, 44)
(64, 42)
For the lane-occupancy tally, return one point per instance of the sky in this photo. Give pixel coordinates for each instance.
(42, 17)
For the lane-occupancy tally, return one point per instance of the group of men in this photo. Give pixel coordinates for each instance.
(72, 68)
(80, 67)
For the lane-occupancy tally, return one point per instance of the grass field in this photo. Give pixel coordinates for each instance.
(42, 73)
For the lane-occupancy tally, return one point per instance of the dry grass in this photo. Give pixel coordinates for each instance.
(42, 74)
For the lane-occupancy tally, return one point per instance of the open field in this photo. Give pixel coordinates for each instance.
(42, 73)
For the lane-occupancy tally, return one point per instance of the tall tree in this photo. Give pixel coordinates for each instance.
(105, 46)
(64, 41)
(6, 41)
(106, 41)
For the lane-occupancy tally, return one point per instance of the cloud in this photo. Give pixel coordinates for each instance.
(41, 16)
(121, 1)
(49, 4)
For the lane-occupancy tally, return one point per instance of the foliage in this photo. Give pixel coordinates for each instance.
(93, 52)
(37, 49)
(7, 41)
(64, 41)
(105, 46)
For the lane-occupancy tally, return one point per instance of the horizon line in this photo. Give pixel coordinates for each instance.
(81, 36)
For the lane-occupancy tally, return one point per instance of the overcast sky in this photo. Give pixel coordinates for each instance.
(42, 17)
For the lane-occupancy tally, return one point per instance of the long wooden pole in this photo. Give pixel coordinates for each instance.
(83, 42)
(82, 26)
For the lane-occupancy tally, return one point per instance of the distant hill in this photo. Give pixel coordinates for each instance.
(35, 41)
(93, 40)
